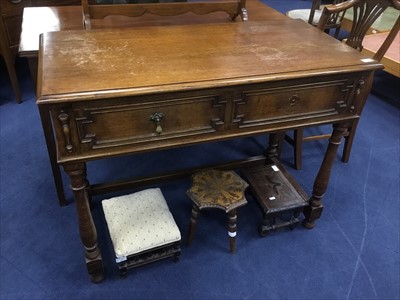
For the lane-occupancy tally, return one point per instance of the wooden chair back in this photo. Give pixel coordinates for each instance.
(335, 19)
(313, 14)
(233, 8)
(365, 13)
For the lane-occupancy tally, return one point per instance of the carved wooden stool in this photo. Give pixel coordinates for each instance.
(142, 229)
(217, 189)
(278, 195)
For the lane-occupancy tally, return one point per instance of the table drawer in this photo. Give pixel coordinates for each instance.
(260, 107)
(95, 128)
(130, 123)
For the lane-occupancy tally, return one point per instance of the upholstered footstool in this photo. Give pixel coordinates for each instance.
(142, 229)
(217, 189)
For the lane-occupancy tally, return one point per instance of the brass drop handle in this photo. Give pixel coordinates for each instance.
(156, 119)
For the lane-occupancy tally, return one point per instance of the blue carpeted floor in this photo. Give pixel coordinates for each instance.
(353, 253)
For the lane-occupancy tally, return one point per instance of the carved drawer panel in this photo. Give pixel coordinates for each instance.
(104, 126)
(155, 121)
(267, 106)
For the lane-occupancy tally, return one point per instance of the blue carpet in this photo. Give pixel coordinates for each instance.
(353, 253)
(286, 5)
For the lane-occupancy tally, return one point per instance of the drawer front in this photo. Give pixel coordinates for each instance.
(297, 102)
(103, 126)
(116, 126)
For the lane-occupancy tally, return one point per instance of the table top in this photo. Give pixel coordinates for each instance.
(391, 59)
(79, 65)
(37, 20)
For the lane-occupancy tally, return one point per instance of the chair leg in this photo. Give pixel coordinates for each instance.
(298, 147)
(232, 217)
(337, 31)
(348, 141)
(10, 64)
(192, 225)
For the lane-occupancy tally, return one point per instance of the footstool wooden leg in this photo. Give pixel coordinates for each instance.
(193, 220)
(123, 269)
(232, 229)
(265, 226)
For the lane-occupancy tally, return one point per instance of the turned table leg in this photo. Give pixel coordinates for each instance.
(87, 229)
(314, 210)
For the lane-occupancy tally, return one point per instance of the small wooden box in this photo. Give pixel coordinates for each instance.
(279, 196)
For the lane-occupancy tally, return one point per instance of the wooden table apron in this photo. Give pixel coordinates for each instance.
(209, 82)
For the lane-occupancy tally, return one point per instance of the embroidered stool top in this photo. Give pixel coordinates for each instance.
(217, 189)
(139, 222)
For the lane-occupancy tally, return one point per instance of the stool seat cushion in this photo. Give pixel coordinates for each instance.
(139, 222)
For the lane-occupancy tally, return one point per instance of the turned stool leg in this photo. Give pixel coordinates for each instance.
(232, 229)
(193, 220)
